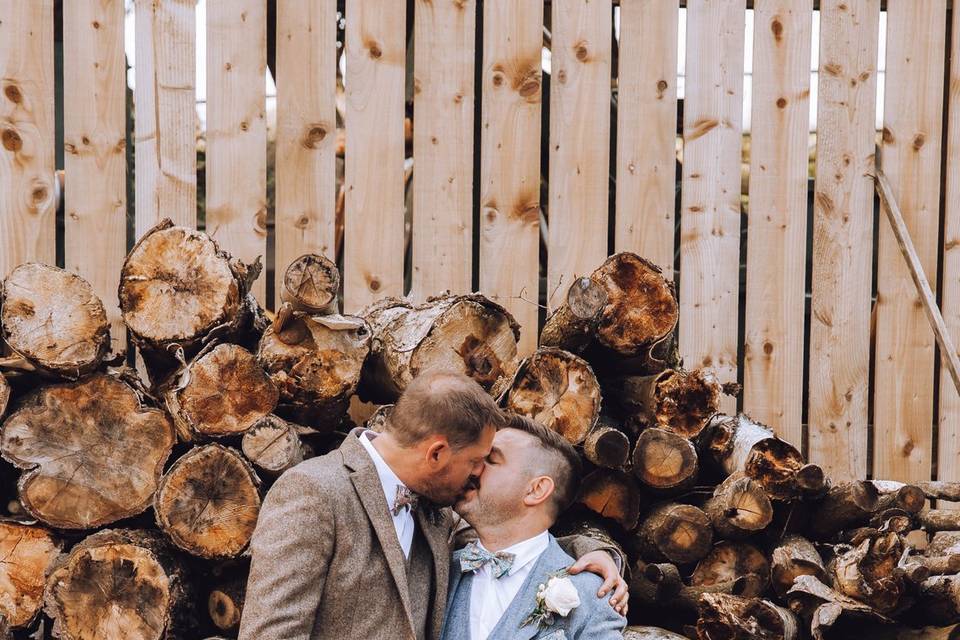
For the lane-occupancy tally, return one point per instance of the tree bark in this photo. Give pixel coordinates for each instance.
(54, 320)
(940, 520)
(665, 462)
(223, 392)
(91, 453)
(737, 618)
(27, 552)
(795, 556)
(273, 445)
(739, 508)
(677, 533)
(868, 572)
(845, 505)
(612, 494)
(119, 583)
(676, 400)
(573, 324)
(316, 363)
(468, 334)
(557, 389)
(208, 502)
(607, 446)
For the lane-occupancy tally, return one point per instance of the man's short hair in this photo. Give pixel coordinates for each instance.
(445, 403)
(562, 462)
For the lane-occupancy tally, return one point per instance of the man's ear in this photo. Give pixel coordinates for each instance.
(438, 451)
(539, 491)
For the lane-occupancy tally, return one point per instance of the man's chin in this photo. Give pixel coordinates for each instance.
(465, 499)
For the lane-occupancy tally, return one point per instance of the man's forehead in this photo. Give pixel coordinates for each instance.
(508, 437)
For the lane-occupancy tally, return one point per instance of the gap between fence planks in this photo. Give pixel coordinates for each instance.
(910, 155)
(579, 142)
(166, 113)
(647, 131)
(373, 177)
(842, 235)
(710, 199)
(28, 194)
(237, 130)
(777, 220)
(306, 132)
(95, 141)
(445, 33)
(510, 161)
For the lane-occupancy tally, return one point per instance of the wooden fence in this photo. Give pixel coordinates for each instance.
(858, 383)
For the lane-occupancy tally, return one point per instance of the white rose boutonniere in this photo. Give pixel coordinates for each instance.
(558, 597)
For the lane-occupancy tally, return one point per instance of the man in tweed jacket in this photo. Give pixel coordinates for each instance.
(342, 549)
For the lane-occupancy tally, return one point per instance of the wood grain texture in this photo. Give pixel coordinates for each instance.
(579, 142)
(710, 201)
(28, 198)
(647, 130)
(842, 235)
(95, 220)
(949, 436)
(373, 174)
(166, 113)
(777, 220)
(910, 157)
(306, 131)
(510, 161)
(444, 31)
(237, 129)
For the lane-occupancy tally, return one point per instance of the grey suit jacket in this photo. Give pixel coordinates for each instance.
(326, 561)
(594, 619)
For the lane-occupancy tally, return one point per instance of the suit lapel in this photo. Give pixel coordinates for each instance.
(370, 490)
(550, 561)
(440, 554)
(458, 597)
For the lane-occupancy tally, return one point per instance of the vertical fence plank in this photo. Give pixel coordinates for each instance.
(237, 129)
(443, 146)
(579, 142)
(166, 114)
(373, 173)
(842, 237)
(27, 190)
(95, 223)
(710, 200)
(306, 131)
(510, 160)
(949, 440)
(777, 220)
(647, 130)
(910, 156)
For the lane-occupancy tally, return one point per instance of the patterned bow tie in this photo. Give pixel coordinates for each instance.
(404, 498)
(474, 556)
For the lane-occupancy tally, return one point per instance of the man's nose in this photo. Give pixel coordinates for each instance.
(478, 468)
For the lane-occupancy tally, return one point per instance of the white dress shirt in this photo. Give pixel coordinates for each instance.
(403, 522)
(490, 597)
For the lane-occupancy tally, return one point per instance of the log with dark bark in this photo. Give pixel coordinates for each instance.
(844, 506)
(225, 604)
(676, 400)
(177, 287)
(606, 445)
(120, 583)
(655, 583)
(939, 565)
(27, 552)
(223, 392)
(736, 618)
(737, 443)
(468, 334)
(208, 502)
(894, 495)
(665, 462)
(729, 562)
(677, 533)
(572, 325)
(612, 494)
(273, 445)
(739, 508)
(940, 520)
(92, 453)
(316, 362)
(868, 572)
(557, 389)
(939, 601)
(54, 320)
(795, 556)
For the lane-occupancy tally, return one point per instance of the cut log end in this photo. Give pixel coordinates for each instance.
(733, 562)
(572, 325)
(311, 283)
(738, 618)
(273, 445)
(208, 502)
(225, 605)
(4, 395)
(92, 453)
(613, 495)
(607, 446)
(664, 461)
(27, 553)
(677, 533)
(54, 319)
(739, 508)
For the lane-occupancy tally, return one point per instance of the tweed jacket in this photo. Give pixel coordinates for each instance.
(594, 619)
(326, 561)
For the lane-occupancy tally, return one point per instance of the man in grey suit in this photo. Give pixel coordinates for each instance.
(511, 584)
(355, 544)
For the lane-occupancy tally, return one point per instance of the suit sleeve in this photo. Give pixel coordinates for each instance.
(291, 550)
(603, 624)
(579, 546)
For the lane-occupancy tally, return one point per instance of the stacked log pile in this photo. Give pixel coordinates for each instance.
(131, 493)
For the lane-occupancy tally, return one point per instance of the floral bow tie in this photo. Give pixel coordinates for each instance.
(474, 557)
(404, 498)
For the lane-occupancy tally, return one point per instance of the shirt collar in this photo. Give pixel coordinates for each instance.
(525, 551)
(388, 478)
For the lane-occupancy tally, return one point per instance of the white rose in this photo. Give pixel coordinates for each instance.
(560, 596)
